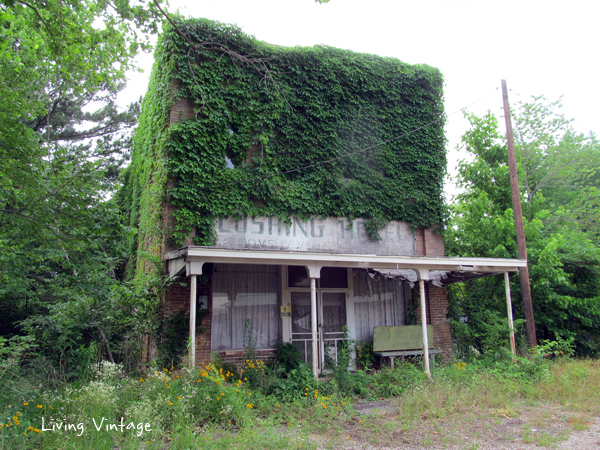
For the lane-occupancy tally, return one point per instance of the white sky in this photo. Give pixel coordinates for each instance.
(539, 47)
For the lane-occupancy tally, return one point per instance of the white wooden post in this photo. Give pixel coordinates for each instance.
(313, 322)
(511, 325)
(424, 326)
(193, 321)
(193, 269)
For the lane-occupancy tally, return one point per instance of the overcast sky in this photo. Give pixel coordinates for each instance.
(545, 47)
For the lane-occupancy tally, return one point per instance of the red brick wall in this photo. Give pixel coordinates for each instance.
(181, 108)
(420, 242)
(429, 242)
(438, 316)
(436, 299)
(176, 299)
(236, 356)
(434, 242)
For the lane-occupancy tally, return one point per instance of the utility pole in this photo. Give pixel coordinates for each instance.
(518, 215)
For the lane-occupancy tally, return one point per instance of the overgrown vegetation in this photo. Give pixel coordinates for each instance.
(63, 140)
(211, 406)
(270, 110)
(560, 188)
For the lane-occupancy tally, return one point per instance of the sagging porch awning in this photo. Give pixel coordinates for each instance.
(191, 259)
(443, 270)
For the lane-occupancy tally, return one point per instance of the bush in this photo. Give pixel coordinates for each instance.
(287, 357)
(394, 382)
(365, 359)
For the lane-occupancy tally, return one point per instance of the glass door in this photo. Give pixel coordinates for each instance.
(301, 324)
(331, 325)
(331, 318)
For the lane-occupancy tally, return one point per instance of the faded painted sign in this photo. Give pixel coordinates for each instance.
(331, 235)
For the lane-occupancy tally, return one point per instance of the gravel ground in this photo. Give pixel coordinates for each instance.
(531, 427)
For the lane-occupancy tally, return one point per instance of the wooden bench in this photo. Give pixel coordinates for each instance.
(402, 341)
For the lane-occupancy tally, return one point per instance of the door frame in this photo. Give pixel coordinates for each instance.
(286, 300)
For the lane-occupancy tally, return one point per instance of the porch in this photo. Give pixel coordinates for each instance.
(306, 297)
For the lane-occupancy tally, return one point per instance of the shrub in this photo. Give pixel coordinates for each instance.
(287, 357)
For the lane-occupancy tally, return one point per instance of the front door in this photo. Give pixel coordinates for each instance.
(331, 319)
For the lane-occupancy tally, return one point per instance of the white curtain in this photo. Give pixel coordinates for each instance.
(241, 292)
(378, 302)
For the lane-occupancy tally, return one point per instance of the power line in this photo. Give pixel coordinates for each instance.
(233, 183)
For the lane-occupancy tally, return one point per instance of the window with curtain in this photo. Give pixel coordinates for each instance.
(378, 302)
(241, 292)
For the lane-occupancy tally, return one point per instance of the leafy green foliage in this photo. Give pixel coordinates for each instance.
(559, 181)
(270, 111)
(393, 382)
(287, 357)
(62, 142)
(340, 366)
(365, 359)
(172, 340)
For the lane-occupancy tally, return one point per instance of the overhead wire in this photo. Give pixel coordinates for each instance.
(371, 147)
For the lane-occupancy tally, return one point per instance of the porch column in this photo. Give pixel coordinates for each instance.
(193, 321)
(193, 269)
(313, 322)
(314, 272)
(424, 275)
(511, 325)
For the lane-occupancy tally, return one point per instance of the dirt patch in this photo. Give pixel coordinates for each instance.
(384, 407)
(522, 427)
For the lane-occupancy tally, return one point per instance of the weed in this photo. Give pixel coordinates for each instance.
(579, 422)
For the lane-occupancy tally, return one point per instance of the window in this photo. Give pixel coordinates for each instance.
(331, 277)
(378, 302)
(241, 292)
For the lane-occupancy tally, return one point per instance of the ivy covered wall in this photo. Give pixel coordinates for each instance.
(262, 111)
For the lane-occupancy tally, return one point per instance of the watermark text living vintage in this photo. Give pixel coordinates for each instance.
(100, 425)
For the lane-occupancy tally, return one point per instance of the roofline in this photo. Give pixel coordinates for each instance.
(194, 254)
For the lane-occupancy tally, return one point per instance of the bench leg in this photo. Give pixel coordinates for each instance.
(392, 362)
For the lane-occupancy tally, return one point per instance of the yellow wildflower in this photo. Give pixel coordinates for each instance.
(25, 404)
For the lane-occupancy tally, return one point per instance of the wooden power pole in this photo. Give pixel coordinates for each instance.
(518, 215)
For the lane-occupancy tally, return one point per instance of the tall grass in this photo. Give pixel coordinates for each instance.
(209, 408)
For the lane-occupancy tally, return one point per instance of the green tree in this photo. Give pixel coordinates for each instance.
(62, 141)
(558, 175)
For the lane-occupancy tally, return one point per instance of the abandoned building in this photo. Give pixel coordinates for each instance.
(299, 188)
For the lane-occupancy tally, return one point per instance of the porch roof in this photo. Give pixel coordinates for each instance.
(192, 258)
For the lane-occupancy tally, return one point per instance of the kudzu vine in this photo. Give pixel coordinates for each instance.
(262, 110)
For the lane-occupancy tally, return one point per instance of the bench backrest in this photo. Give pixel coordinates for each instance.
(407, 337)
